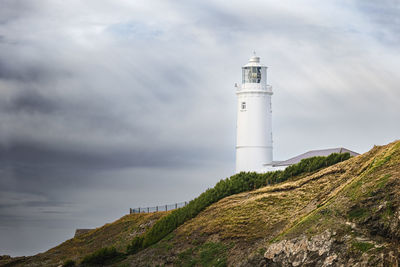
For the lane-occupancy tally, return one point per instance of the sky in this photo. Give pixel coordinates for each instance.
(110, 105)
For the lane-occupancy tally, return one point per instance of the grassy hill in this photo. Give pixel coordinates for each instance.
(348, 213)
(351, 209)
(118, 234)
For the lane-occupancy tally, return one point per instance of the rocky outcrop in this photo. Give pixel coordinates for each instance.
(302, 251)
(325, 250)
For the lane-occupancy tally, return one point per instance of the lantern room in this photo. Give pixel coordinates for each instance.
(254, 72)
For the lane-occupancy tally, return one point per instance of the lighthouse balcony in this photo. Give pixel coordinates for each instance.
(249, 87)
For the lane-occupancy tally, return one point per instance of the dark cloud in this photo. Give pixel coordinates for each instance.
(11, 71)
(30, 101)
(45, 156)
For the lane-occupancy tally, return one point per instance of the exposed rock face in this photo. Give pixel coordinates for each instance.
(324, 250)
(300, 251)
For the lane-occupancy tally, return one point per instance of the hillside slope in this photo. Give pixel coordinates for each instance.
(345, 214)
(118, 234)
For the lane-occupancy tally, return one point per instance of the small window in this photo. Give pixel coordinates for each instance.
(243, 105)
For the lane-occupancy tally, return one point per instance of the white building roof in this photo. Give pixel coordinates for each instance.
(313, 153)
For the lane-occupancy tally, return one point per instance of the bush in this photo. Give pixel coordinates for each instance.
(213, 254)
(241, 182)
(135, 245)
(69, 263)
(102, 256)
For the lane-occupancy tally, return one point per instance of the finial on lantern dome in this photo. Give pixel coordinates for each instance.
(254, 58)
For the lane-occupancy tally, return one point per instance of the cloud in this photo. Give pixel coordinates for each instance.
(116, 104)
(385, 16)
(30, 102)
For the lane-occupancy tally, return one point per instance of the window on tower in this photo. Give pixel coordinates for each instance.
(251, 74)
(243, 105)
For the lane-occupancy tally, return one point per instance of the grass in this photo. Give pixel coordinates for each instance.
(307, 205)
(383, 181)
(238, 183)
(357, 213)
(213, 254)
(388, 213)
(185, 258)
(103, 256)
(330, 214)
(254, 215)
(207, 254)
(310, 204)
(362, 246)
(118, 234)
(69, 263)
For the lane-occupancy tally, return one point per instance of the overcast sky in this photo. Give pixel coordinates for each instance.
(107, 105)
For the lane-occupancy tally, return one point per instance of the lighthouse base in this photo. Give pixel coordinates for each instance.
(253, 159)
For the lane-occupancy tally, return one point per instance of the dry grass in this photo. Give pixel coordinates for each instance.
(304, 205)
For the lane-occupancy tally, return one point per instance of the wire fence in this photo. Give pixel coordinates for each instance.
(158, 208)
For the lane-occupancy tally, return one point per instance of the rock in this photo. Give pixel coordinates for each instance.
(351, 224)
(325, 250)
(295, 252)
(330, 259)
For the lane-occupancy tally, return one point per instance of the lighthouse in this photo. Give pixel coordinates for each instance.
(254, 119)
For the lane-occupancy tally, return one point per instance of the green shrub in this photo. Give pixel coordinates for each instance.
(213, 254)
(135, 245)
(208, 254)
(102, 256)
(186, 258)
(362, 246)
(241, 182)
(357, 213)
(69, 263)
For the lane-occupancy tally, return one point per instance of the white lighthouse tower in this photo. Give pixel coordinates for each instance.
(254, 116)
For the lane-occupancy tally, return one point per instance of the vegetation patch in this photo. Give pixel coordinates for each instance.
(208, 254)
(309, 225)
(213, 254)
(388, 212)
(135, 245)
(242, 182)
(186, 258)
(357, 213)
(69, 263)
(383, 181)
(362, 246)
(382, 161)
(102, 256)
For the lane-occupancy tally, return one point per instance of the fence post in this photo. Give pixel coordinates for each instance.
(139, 210)
(156, 208)
(185, 203)
(176, 205)
(130, 210)
(148, 210)
(165, 207)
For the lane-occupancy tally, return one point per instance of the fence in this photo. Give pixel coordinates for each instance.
(158, 208)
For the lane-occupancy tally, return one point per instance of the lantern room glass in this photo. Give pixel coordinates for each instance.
(251, 75)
